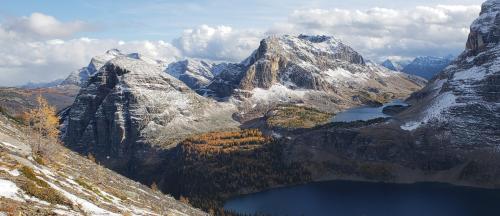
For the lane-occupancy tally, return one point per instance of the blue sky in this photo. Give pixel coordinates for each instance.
(45, 40)
(165, 20)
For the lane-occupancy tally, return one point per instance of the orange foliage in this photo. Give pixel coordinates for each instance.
(225, 142)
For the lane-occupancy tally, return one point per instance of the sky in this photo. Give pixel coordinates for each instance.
(45, 40)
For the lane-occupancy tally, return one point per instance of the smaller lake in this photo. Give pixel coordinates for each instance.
(347, 198)
(365, 113)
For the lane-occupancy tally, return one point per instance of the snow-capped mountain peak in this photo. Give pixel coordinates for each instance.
(391, 65)
(80, 76)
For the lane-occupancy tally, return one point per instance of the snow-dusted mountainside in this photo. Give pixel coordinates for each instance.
(129, 102)
(69, 184)
(196, 73)
(80, 76)
(427, 66)
(394, 65)
(319, 71)
(465, 97)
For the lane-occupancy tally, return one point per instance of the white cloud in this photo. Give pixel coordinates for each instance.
(39, 25)
(218, 43)
(382, 32)
(41, 48)
(29, 53)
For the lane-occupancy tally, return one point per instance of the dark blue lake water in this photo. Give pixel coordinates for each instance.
(365, 113)
(346, 198)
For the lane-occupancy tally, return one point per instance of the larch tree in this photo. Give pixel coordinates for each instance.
(44, 122)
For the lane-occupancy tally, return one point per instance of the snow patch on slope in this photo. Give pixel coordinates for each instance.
(9, 190)
(435, 111)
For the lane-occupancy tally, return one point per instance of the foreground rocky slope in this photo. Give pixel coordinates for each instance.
(70, 184)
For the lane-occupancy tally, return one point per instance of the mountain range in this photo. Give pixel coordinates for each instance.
(423, 66)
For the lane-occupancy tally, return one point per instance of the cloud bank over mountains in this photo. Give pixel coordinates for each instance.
(40, 47)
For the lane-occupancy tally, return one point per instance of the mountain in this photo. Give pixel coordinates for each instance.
(194, 72)
(130, 106)
(427, 66)
(79, 77)
(33, 85)
(317, 71)
(198, 74)
(394, 65)
(66, 183)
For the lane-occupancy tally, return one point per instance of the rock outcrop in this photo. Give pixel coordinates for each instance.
(485, 30)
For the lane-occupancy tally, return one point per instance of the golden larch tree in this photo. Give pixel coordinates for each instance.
(43, 120)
